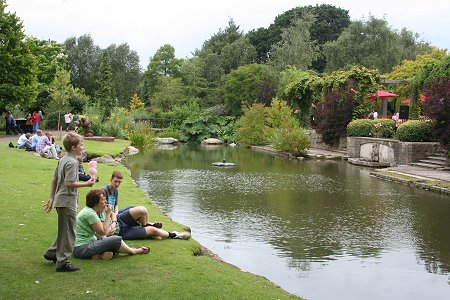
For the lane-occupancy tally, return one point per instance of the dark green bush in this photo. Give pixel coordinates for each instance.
(381, 128)
(414, 131)
(360, 127)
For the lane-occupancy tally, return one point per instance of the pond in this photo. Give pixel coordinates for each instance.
(319, 229)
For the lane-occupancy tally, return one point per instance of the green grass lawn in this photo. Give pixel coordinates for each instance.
(170, 271)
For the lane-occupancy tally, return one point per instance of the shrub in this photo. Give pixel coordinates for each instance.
(381, 128)
(170, 132)
(290, 139)
(414, 131)
(252, 126)
(141, 134)
(360, 127)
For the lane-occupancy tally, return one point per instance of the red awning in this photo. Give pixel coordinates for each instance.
(381, 94)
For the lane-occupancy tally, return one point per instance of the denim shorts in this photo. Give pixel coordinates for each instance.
(130, 229)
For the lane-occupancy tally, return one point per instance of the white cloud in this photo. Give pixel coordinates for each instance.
(147, 25)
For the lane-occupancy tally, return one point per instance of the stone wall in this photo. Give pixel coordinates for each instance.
(390, 151)
(315, 141)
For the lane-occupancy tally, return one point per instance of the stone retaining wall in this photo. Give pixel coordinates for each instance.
(315, 141)
(390, 151)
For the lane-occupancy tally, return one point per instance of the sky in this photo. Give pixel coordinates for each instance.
(186, 24)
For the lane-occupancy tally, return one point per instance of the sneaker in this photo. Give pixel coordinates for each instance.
(48, 257)
(103, 256)
(182, 235)
(68, 267)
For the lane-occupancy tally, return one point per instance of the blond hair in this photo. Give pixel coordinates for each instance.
(71, 139)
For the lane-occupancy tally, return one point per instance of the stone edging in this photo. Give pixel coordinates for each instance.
(412, 183)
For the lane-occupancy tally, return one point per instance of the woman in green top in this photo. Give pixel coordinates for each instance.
(91, 239)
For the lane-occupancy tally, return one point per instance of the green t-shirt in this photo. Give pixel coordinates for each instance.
(85, 234)
(102, 218)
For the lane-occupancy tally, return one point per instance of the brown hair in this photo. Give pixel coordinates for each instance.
(93, 197)
(71, 139)
(116, 174)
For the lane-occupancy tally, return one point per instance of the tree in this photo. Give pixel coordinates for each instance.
(163, 63)
(437, 107)
(169, 93)
(222, 38)
(136, 103)
(329, 22)
(83, 61)
(296, 48)
(240, 86)
(238, 53)
(18, 82)
(126, 73)
(104, 96)
(60, 91)
(372, 44)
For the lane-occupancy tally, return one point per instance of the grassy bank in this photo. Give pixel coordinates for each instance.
(170, 271)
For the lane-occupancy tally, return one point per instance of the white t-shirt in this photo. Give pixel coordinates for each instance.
(375, 115)
(67, 118)
(22, 140)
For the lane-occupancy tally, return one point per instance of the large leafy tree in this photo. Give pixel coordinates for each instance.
(241, 86)
(296, 48)
(329, 22)
(169, 93)
(126, 72)
(163, 63)
(18, 82)
(60, 90)
(222, 38)
(83, 60)
(372, 44)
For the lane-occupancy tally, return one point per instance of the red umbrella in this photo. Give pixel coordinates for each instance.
(422, 98)
(406, 101)
(381, 94)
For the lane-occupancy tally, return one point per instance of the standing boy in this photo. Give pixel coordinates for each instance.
(64, 196)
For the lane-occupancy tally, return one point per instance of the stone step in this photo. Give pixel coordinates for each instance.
(440, 157)
(426, 165)
(433, 161)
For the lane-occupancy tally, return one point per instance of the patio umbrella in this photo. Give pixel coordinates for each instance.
(381, 94)
(422, 98)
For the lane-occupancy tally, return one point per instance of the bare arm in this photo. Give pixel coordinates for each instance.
(78, 184)
(104, 228)
(48, 206)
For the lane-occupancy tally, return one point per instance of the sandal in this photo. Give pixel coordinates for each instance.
(156, 225)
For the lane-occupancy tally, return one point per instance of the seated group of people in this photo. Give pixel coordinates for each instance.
(43, 144)
(102, 227)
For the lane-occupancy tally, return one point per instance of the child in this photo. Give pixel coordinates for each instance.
(64, 196)
(82, 176)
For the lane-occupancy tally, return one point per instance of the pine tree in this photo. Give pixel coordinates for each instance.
(104, 95)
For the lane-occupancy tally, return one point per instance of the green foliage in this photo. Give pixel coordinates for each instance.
(240, 86)
(196, 124)
(141, 134)
(414, 131)
(414, 111)
(126, 72)
(284, 131)
(408, 69)
(360, 127)
(296, 47)
(372, 44)
(431, 70)
(290, 139)
(169, 92)
(104, 95)
(170, 132)
(301, 93)
(252, 126)
(83, 61)
(18, 81)
(381, 128)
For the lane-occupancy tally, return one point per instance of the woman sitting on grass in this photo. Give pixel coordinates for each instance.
(91, 239)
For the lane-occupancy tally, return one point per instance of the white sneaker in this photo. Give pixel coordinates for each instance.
(182, 235)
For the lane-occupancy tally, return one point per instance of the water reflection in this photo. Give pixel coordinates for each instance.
(304, 223)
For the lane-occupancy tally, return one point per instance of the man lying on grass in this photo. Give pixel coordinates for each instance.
(131, 223)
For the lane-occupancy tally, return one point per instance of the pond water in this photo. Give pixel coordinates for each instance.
(318, 229)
